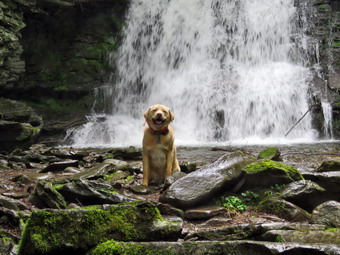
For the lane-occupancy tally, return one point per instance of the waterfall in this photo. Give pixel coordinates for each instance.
(229, 70)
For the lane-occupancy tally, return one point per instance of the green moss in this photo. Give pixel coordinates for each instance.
(117, 248)
(53, 230)
(269, 153)
(322, 6)
(257, 167)
(333, 229)
(336, 44)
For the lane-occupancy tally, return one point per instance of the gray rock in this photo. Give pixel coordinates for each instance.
(173, 178)
(200, 186)
(204, 213)
(330, 181)
(141, 189)
(328, 214)
(91, 193)
(284, 210)
(329, 166)
(305, 236)
(12, 204)
(306, 194)
(46, 195)
(60, 166)
(95, 172)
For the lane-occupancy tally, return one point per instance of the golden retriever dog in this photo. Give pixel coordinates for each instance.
(159, 150)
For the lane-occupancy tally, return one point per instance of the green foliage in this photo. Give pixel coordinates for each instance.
(250, 197)
(336, 44)
(233, 203)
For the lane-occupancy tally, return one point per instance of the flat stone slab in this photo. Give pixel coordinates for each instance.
(215, 248)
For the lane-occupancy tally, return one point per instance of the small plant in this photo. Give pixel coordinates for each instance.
(250, 197)
(233, 203)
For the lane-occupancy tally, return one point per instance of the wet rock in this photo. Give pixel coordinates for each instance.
(119, 164)
(9, 217)
(187, 167)
(116, 176)
(167, 209)
(46, 195)
(19, 125)
(330, 181)
(91, 193)
(22, 179)
(328, 214)
(284, 210)
(60, 166)
(215, 248)
(12, 204)
(141, 189)
(201, 185)
(72, 170)
(271, 153)
(15, 195)
(226, 232)
(326, 237)
(269, 173)
(172, 179)
(306, 194)
(329, 166)
(205, 212)
(4, 164)
(6, 246)
(95, 172)
(138, 221)
(66, 153)
(130, 153)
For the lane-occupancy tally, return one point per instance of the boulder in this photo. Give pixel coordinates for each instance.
(271, 153)
(78, 230)
(306, 194)
(327, 213)
(268, 173)
(202, 185)
(95, 172)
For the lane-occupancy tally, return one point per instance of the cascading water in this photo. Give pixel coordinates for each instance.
(228, 70)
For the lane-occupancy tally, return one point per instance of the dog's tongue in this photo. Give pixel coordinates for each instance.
(158, 122)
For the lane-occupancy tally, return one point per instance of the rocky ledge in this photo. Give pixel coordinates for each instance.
(225, 201)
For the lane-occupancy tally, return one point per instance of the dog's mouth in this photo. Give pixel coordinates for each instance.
(158, 121)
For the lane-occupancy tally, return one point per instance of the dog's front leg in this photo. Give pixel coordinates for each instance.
(169, 163)
(146, 168)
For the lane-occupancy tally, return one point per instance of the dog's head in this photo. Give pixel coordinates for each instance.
(158, 116)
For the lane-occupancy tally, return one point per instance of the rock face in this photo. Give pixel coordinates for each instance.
(203, 184)
(19, 124)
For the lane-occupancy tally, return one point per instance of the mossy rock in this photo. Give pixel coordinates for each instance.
(77, 231)
(271, 153)
(268, 173)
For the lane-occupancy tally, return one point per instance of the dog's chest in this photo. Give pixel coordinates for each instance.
(158, 155)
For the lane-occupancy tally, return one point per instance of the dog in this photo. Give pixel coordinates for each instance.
(159, 150)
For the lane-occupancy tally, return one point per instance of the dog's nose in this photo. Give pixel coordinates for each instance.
(159, 115)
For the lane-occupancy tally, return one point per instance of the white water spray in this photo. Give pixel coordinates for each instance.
(227, 69)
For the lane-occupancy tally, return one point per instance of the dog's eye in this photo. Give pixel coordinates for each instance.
(154, 110)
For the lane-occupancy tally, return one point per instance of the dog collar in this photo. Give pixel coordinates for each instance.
(163, 131)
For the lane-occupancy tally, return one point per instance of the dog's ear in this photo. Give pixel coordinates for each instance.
(172, 116)
(146, 113)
